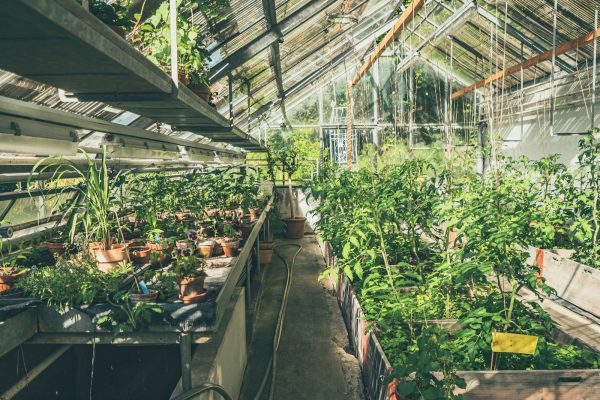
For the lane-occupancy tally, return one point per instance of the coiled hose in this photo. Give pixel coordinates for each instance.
(272, 366)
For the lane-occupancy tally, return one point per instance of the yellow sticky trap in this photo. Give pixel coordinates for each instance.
(513, 343)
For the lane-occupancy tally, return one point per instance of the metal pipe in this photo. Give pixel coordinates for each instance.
(185, 351)
(34, 373)
(554, 18)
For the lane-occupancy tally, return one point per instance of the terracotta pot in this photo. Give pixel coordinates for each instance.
(295, 227)
(137, 242)
(230, 248)
(183, 216)
(7, 278)
(198, 298)
(108, 259)
(55, 247)
(191, 286)
(218, 249)
(135, 298)
(254, 212)
(206, 248)
(139, 255)
(181, 244)
(203, 92)
(265, 252)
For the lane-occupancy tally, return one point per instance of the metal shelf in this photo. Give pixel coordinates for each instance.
(60, 44)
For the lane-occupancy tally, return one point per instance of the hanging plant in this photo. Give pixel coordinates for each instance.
(153, 38)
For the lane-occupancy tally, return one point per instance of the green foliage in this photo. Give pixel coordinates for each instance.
(114, 13)
(153, 39)
(421, 243)
(97, 189)
(429, 371)
(71, 283)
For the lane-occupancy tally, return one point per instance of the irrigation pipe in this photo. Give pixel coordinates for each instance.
(272, 366)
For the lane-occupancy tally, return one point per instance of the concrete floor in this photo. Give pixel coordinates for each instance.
(312, 362)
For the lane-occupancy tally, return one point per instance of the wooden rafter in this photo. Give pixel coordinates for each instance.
(405, 18)
(545, 56)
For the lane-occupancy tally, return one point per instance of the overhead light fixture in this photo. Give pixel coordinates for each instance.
(26, 136)
(120, 146)
(191, 154)
(342, 18)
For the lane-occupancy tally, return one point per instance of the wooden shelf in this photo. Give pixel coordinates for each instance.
(60, 44)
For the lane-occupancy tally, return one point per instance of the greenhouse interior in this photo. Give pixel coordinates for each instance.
(299, 199)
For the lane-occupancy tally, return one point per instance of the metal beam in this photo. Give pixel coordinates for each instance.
(519, 36)
(263, 41)
(304, 82)
(271, 17)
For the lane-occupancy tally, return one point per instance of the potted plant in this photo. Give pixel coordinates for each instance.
(113, 15)
(153, 39)
(287, 156)
(141, 293)
(230, 242)
(9, 273)
(265, 248)
(95, 207)
(139, 254)
(206, 247)
(190, 273)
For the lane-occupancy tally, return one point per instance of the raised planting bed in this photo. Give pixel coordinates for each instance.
(574, 282)
(518, 384)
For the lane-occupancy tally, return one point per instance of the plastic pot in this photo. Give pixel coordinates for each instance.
(295, 227)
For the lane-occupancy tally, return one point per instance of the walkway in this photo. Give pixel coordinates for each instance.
(311, 362)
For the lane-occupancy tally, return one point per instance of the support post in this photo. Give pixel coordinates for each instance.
(257, 247)
(375, 93)
(552, 99)
(349, 129)
(230, 97)
(411, 141)
(321, 138)
(173, 39)
(185, 351)
(594, 69)
(248, 282)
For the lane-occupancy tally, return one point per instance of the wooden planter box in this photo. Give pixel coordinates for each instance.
(518, 384)
(574, 282)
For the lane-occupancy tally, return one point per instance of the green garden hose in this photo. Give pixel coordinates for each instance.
(271, 367)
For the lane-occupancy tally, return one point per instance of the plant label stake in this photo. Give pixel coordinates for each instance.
(144, 288)
(503, 342)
